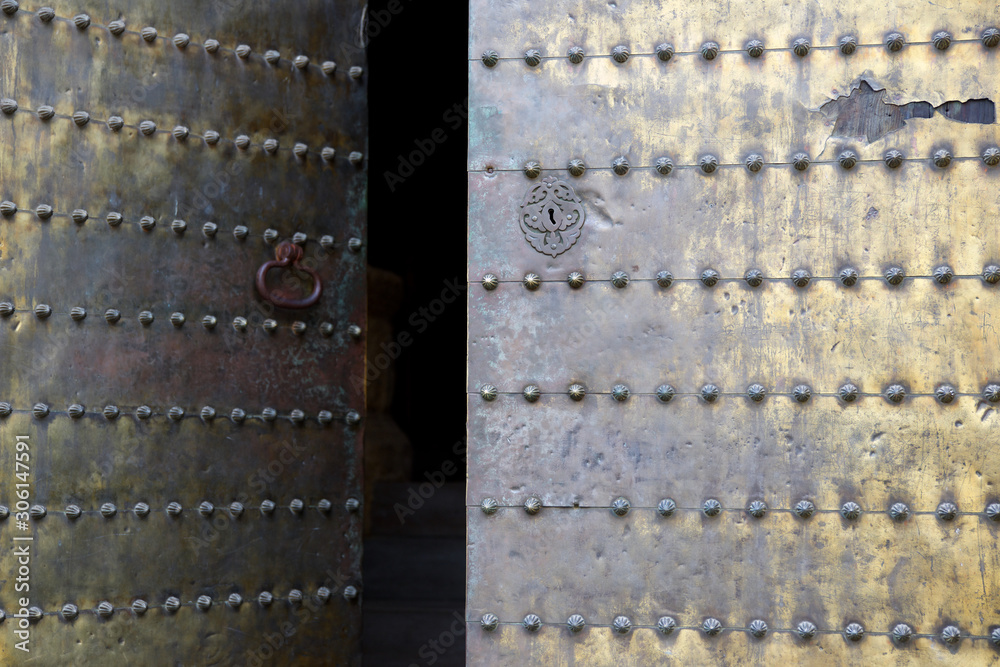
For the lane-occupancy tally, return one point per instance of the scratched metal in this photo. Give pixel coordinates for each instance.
(578, 457)
(58, 361)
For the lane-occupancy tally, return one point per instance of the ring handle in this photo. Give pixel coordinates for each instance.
(287, 255)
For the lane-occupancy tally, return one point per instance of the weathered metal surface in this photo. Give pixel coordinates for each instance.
(753, 279)
(156, 387)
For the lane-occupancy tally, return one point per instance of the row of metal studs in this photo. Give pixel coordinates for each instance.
(271, 236)
(850, 510)
(105, 609)
(78, 313)
(709, 164)
(710, 393)
(755, 48)
(180, 132)
(181, 40)
(847, 277)
(174, 509)
(901, 633)
(176, 413)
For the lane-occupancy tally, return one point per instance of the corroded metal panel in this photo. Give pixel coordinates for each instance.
(194, 452)
(732, 360)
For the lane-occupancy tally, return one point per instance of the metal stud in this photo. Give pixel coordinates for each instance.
(850, 510)
(181, 40)
(9, 7)
(114, 219)
(895, 393)
(490, 58)
(112, 315)
(942, 158)
(709, 277)
(756, 392)
(800, 161)
(894, 42)
(174, 508)
(143, 412)
(620, 506)
(235, 600)
(211, 137)
(115, 123)
(755, 48)
(324, 417)
(117, 27)
(75, 411)
(532, 505)
(267, 507)
(664, 51)
(709, 50)
(4, 512)
(105, 609)
(575, 623)
(619, 279)
(326, 241)
(209, 322)
(69, 611)
(665, 393)
(899, 512)
(943, 275)
(991, 156)
(848, 276)
(801, 47)
(710, 393)
(848, 392)
(8, 208)
(754, 162)
(43, 211)
(711, 507)
(664, 165)
(176, 413)
(532, 281)
(35, 614)
(40, 411)
(73, 512)
(800, 277)
(801, 393)
(328, 154)
(941, 40)
(43, 310)
(993, 511)
(708, 163)
(664, 279)
(354, 244)
(243, 51)
(148, 33)
(804, 509)
(575, 279)
(757, 509)
(172, 604)
(145, 318)
(79, 216)
(620, 165)
(147, 127)
(301, 62)
(300, 150)
(893, 158)
(206, 508)
(81, 21)
(296, 416)
(147, 222)
(180, 132)
(991, 393)
(620, 53)
(177, 319)
(46, 14)
(577, 392)
(38, 512)
(352, 505)
(270, 146)
(894, 275)
(531, 623)
(6, 309)
(296, 506)
(758, 628)
(204, 602)
(532, 169)
(711, 626)
(490, 282)
(667, 507)
(854, 632)
(951, 635)
(265, 599)
(665, 625)
(945, 393)
(847, 159)
(269, 414)
(81, 118)
(8, 106)
(805, 630)
(236, 509)
(45, 112)
(532, 57)
(622, 625)
(947, 511)
(991, 37)
(141, 510)
(848, 44)
(902, 633)
(240, 323)
(489, 506)
(5, 410)
(489, 622)
(108, 510)
(242, 142)
(111, 412)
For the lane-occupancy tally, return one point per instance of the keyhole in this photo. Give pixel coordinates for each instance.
(551, 217)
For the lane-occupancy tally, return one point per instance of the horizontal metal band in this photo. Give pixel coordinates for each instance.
(488, 624)
(172, 604)
(893, 394)
(183, 41)
(489, 280)
(148, 127)
(207, 414)
(205, 508)
(759, 49)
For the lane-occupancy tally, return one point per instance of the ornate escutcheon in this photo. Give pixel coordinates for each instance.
(552, 216)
